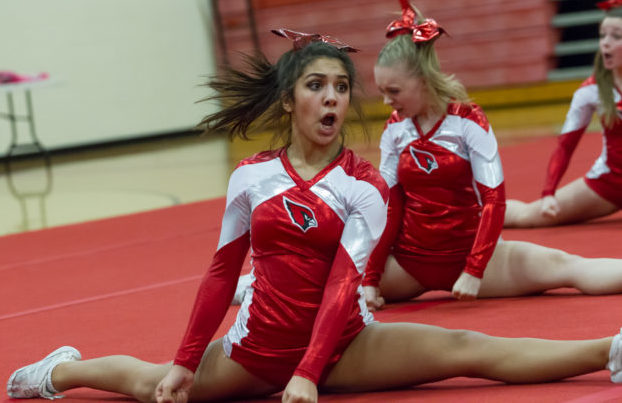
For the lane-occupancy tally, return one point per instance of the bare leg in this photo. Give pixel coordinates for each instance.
(117, 373)
(387, 355)
(218, 377)
(522, 268)
(398, 285)
(577, 203)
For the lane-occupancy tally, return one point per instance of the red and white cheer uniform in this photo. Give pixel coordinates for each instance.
(447, 198)
(310, 242)
(605, 176)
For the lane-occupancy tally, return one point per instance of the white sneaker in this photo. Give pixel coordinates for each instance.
(615, 358)
(35, 380)
(244, 282)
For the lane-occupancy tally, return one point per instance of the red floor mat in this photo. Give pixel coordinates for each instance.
(126, 285)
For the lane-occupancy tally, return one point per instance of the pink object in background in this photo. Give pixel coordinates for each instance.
(10, 77)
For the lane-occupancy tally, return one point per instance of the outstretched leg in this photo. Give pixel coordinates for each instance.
(523, 268)
(388, 355)
(577, 203)
(116, 373)
(217, 378)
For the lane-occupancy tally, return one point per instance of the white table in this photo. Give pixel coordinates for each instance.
(33, 145)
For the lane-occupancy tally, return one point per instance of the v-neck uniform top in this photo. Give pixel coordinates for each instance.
(447, 192)
(310, 242)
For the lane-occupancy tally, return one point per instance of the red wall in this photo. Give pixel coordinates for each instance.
(491, 42)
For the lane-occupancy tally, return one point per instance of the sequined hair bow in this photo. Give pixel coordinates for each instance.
(609, 4)
(407, 25)
(302, 39)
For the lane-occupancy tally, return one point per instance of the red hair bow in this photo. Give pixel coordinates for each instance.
(302, 39)
(426, 31)
(609, 4)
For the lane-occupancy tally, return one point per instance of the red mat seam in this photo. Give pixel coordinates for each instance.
(101, 249)
(100, 297)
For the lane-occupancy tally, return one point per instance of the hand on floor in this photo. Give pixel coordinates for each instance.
(373, 299)
(466, 287)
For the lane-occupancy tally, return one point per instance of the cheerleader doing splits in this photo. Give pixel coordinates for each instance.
(599, 193)
(311, 212)
(440, 159)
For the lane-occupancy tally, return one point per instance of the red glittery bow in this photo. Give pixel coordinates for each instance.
(427, 30)
(302, 39)
(609, 4)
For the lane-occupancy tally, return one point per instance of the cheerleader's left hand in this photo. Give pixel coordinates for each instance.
(466, 287)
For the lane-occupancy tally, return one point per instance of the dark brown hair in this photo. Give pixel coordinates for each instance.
(253, 96)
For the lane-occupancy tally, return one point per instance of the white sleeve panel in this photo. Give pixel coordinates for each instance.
(487, 172)
(584, 104)
(236, 220)
(483, 154)
(361, 206)
(249, 186)
(389, 157)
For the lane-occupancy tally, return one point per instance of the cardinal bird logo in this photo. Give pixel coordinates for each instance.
(424, 160)
(300, 214)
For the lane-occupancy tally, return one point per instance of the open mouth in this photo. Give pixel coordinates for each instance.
(328, 119)
(606, 56)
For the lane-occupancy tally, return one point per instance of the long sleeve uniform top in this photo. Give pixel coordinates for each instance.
(310, 242)
(585, 102)
(447, 195)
